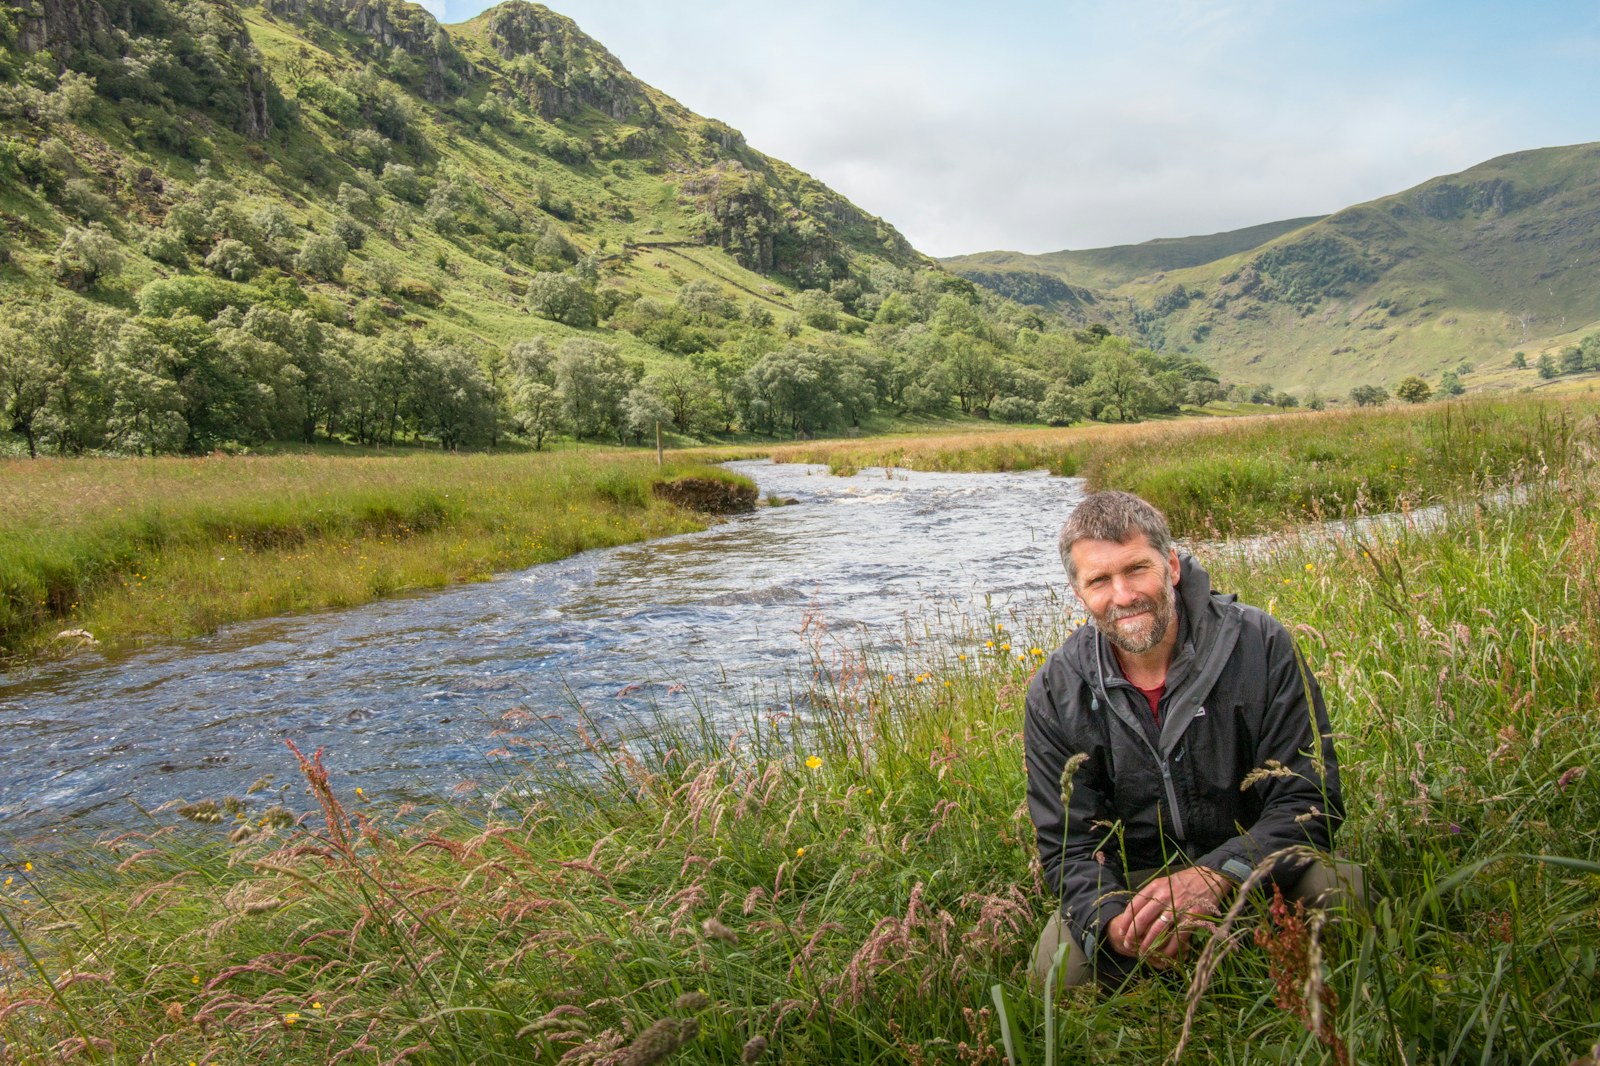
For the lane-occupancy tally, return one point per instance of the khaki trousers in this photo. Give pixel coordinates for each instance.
(1324, 884)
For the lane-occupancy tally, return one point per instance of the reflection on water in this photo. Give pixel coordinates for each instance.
(407, 694)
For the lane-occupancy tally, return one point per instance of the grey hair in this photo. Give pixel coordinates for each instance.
(1114, 516)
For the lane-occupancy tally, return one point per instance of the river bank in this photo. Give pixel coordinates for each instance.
(1254, 474)
(858, 888)
(123, 551)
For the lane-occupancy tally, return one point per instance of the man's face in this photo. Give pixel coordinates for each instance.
(1128, 589)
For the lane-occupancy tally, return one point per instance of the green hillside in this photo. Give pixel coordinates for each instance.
(1106, 268)
(226, 224)
(1457, 274)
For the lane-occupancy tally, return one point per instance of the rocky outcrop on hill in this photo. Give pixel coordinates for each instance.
(63, 27)
(391, 24)
(1031, 287)
(74, 31)
(561, 69)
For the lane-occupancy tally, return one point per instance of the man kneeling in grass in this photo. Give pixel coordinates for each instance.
(1171, 747)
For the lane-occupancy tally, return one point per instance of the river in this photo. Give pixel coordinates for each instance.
(410, 696)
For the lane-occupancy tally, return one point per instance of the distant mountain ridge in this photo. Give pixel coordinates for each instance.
(1465, 267)
(1108, 267)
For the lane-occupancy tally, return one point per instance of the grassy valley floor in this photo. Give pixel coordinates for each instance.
(863, 887)
(128, 550)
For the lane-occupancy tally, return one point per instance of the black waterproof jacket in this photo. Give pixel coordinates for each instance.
(1238, 698)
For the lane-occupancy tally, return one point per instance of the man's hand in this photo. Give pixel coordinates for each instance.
(1161, 917)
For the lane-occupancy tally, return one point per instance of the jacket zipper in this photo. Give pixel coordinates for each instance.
(1172, 799)
(1166, 770)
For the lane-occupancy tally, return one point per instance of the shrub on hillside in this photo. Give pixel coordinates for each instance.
(561, 297)
(165, 246)
(189, 295)
(322, 256)
(1014, 409)
(233, 260)
(85, 257)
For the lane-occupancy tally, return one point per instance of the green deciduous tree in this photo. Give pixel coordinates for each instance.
(561, 297)
(1120, 387)
(233, 260)
(1413, 389)
(401, 182)
(66, 339)
(272, 222)
(971, 371)
(24, 386)
(688, 397)
(818, 309)
(452, 396)
(384, 372)
(1369, 395)
(1014, 409)
(593, 380)
(1062, 406)
(85, 257)
(643, 411)
(537, 410)
(322, 256)
(705, 303)
(144, 415)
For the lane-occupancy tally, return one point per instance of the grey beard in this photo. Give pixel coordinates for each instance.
(1162, 615)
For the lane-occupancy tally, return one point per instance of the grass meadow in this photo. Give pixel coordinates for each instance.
(1243, 475)
(861, 886)
(134, 549)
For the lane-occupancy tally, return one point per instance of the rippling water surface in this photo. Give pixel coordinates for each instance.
(406, 694)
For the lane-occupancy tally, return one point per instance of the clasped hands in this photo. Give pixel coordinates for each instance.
(1161, 917)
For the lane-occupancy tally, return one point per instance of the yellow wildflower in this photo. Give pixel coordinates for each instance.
(291, 1017)
(813, 763)
(799, 852)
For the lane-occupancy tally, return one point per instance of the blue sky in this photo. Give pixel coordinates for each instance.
(1038, 126)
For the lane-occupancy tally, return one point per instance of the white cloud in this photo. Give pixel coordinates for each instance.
(1039, 126)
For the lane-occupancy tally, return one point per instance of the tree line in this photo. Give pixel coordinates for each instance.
(205, 366)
